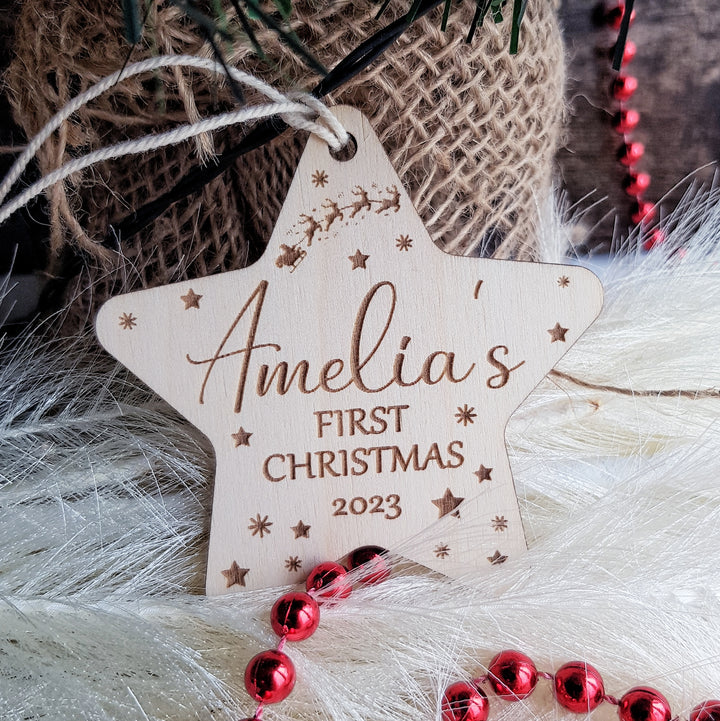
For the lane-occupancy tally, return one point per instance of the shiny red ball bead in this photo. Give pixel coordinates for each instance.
(270, 676)
(295, 616)
(512, 675)
(614, 15)
(706, 711)
(371, 558)
(629, 52)
(625, 120)
(328, 574)
(642, 211)
(636, 184)
(656, 237)
(644, 704)
(623, 87)
(464, 702)
(630, 153)
(579, 687)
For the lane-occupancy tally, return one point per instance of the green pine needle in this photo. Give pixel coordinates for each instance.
(482, 7)
(288, 37)
(518, 12)
(446, 15)
(132, 21)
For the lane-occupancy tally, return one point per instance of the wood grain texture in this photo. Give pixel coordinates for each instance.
(678, 69)
(356, 381)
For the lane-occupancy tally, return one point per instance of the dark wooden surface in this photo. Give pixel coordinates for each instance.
(678, 69)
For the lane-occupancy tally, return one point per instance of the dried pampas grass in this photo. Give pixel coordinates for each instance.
(105, 497)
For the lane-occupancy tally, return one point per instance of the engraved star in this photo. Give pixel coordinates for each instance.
(293, 564)
(127, 321)
(483, 474)
(358, 260)
(497, 558)
(191, 299)
(404, 242)
(301, 530)
(465, 415)
(259, 526)
(442, 551)
(557, 333)
(235, 575)
(320, 178)
(499, 523)
(241, 438)
(563, 281)
(448, 503)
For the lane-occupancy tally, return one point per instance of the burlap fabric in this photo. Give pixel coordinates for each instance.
(471, 130)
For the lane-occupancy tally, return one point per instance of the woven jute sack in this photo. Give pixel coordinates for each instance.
(470, 129)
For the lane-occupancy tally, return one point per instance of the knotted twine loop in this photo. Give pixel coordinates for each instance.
(302, 114)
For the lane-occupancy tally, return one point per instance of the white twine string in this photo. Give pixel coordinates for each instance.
(299, 110)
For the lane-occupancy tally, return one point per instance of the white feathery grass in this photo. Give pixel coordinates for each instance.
(104, 505)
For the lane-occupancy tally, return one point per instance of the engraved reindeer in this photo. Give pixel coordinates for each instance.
(391, 203)
(334, 214)
(290, 256)
(313, 227)
(362, 204)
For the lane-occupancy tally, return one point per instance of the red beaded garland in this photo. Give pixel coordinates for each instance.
(512, 675)
(328, 574)
(579, 687)
(642, 211)
(270, 676)
(656, 237)
(372, 558)
(295, 616)
(625, 120)
(623, 87)
(706, 711)
(614, 16)
(644, 704)
(636, 184)
(464, 702)
(630, 152)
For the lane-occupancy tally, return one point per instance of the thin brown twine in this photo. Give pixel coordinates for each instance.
(667, 393)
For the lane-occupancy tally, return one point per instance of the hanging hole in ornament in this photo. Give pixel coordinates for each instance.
(347, 151)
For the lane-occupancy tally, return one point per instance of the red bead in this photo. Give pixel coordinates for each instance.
(656, 237)
(295, 616)
(370, 557)
(328, 574)
(579, 687)
(629, 52)
(512, 675)
(625, 120)
(636, 184)
(630, 153)
(643, 211)
(706, 711)
(644, 704)
(270, 676)
(614, 15)
(623, 87)
(464, 702)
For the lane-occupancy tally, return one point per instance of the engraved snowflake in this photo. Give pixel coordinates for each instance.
(320, 178)
(260, 526)
(465, 415)
(128, 321)
(404, 242)
(442, 551)
(293, 564)
(499, 523)
(563, 281)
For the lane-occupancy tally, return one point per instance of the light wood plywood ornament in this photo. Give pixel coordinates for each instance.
(356, 381)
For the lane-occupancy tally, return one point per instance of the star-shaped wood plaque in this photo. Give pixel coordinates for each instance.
(356, 381)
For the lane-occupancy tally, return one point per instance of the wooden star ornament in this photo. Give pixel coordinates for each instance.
(377, 383)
